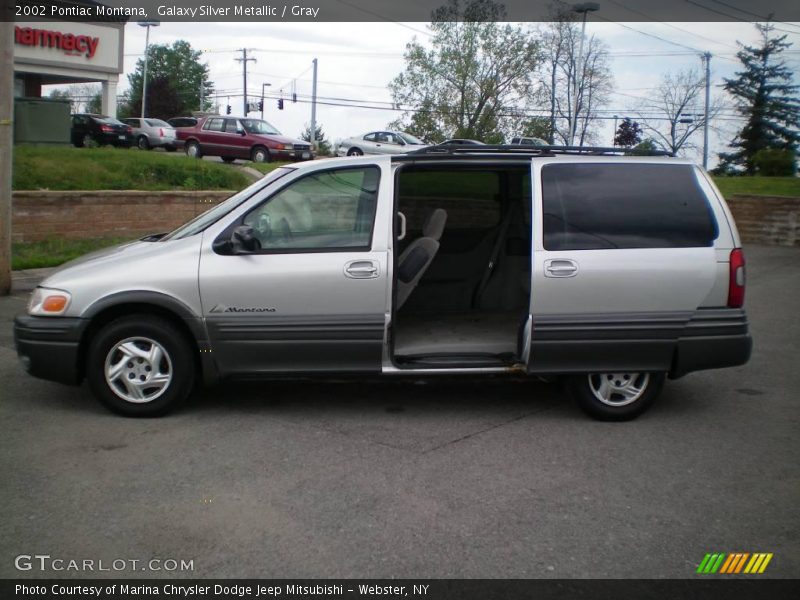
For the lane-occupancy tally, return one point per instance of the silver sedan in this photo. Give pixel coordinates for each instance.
(379, 142)
(150, 133)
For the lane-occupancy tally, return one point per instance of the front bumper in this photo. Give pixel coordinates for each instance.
(292, 154)
(49, 347)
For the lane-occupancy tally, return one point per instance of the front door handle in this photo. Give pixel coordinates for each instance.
(362, 269)
(560, 267)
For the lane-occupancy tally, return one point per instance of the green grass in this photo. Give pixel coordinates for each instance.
(68, 168)
(53, 252)
(759, 186)
(267, 167)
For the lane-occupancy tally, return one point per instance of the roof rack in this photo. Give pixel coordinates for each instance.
(448, 149)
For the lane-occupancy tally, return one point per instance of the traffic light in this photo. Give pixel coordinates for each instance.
(228, 109)
(280, 103)
(261, 105)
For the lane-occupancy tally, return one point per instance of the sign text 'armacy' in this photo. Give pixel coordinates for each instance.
(68, 43)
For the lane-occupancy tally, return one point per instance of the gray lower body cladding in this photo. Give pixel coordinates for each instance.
(677, 343)
(244, 345)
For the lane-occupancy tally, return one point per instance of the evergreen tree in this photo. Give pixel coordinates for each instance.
(323, 145)
(767, 98)
(628, 133)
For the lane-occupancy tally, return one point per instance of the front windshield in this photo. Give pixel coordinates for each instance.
(203, 221)
(410, 139)
(259, 126)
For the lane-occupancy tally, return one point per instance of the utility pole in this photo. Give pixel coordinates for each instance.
(707, 59)
(6, 147)
(244, 60)
(585, 9)
(314, 107)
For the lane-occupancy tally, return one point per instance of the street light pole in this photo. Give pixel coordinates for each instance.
(263, 85)
(707, 60)
(148, 25)
(585, 9)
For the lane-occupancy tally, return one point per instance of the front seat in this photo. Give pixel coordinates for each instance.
(419, 254)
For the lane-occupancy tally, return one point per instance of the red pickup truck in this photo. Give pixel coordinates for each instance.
(237, 137)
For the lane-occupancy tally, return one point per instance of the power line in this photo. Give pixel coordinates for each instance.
(730, 16)
(638, 12)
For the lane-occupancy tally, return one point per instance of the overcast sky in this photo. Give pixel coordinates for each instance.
(357, 61)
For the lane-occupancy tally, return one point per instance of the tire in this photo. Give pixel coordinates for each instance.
(260, 155)
(615, 396)
(355, 152)
(228, 159)
(143, 143)
(193, 150)
(138, 336)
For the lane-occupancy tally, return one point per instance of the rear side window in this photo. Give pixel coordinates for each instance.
(602, 206)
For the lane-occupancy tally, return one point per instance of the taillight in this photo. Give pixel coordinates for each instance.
(106, 128)
(161, 132)
(736, 281)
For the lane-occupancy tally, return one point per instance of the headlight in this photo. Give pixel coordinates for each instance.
(288, 147)
(48, 302)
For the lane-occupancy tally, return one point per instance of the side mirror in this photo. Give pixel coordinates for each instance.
(244, 240)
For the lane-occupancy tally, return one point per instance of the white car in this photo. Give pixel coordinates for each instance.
(379, 142)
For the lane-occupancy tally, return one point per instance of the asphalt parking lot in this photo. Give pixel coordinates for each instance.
(446, 478)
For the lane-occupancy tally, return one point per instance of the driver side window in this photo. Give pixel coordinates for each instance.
(328, 210)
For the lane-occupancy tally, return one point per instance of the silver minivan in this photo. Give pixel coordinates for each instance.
(610, 272)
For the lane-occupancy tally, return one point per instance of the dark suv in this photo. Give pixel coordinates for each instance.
(99, 130)
(234, 137)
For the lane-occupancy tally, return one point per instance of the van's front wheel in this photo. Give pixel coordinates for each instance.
(615, 396)
(140, 366)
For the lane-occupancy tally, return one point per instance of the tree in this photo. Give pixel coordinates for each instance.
(174, 77)
(323, 145)
(538, 127)
(561, 41)
(628, 133)
(468, 84)
(675, 111)
(83, 97)
(765, 95)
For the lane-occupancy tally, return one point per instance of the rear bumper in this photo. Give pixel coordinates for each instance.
(717, 352)
(49, 347)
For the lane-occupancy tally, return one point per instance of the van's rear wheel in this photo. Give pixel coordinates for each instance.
(140, 366)
(615, 396)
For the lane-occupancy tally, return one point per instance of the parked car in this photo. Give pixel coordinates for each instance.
(528, 141)
(399, 266)
(236, 137)
(461, 142)
(379, 142)
(152, 133)
(99, 130)
(177, 122)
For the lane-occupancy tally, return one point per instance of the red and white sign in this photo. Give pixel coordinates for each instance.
(69, 43)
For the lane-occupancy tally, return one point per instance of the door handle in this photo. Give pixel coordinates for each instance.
(560, 267)
(361, 269)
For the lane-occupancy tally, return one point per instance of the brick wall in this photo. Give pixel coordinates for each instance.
(37, 215)
(768, 220)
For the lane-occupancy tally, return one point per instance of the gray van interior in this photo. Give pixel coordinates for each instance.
(468, 304)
